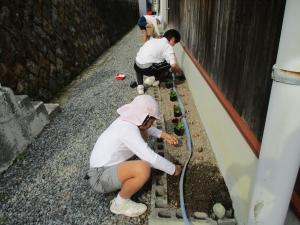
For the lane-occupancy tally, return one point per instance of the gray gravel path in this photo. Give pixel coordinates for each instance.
(46, 185)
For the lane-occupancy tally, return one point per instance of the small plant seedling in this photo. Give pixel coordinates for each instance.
(179, 126)
(176, 108)
(173, 95)
(177, 111)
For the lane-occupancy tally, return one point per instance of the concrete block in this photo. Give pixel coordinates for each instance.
(165, 213)
(200, 215)
(23, 100)
(9, 107)
(13, 140)
(161, 202)
(38, 119)
(160, 191)
(227, 221)
(52, 109)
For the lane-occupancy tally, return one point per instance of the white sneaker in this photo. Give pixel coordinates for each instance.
(149, 81)
(140, 89)
(155, 83)
(128, 208)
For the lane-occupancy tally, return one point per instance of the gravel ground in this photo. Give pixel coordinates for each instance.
(45, 185)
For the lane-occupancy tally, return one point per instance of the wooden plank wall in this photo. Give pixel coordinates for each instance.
(236, 42)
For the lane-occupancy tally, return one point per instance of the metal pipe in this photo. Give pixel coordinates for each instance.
(279, 158)
(280, 154)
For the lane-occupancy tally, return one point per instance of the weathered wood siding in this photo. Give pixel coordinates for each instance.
(236, 42)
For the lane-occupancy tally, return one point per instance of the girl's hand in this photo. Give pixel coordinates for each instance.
(169, 138)
(177, 170)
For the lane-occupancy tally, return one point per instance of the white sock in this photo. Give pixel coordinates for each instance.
(119, 200)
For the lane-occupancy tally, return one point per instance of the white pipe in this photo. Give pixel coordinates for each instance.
(164, 11)
(288, 56)
(279, 158)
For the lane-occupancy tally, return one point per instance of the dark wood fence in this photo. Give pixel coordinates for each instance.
(236, 41)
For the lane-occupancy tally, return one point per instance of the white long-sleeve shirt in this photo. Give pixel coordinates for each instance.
(120, 141)
(156, 51)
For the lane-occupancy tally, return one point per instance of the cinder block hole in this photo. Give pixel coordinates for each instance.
(159, 191)
(159, 172)
(160, 146)
(159, 140)
(179, 214)
(159, 180)
(161, 154)
(158, 194)
(164, 214)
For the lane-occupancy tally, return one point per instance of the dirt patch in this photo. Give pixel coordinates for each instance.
(203, 187)
(204, 184)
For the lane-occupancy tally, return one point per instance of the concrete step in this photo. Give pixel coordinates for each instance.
(25, 105)
(52, 109)
(23, 100)
(38, 118)
(21, 120)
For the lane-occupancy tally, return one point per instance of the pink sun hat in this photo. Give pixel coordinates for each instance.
(136, 111)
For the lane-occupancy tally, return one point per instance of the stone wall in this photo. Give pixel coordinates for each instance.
(44, 44)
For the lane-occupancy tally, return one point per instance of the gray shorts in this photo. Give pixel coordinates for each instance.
(104, 179)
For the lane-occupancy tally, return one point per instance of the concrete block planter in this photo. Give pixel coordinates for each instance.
(161, 213)
(163, 209)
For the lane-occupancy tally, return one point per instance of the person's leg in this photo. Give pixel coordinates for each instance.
(133, 175)
(139, 75)
(145, 36)
(154, 72)
(149, 30)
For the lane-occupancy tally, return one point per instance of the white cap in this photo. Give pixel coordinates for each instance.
(137, 110)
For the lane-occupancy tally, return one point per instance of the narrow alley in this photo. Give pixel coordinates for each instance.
(46, 185)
